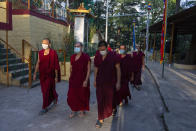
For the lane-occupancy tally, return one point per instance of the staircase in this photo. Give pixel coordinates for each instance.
(18, 71)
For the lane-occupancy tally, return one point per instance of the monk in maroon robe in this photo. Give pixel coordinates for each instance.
(48, 66)
(79, 85)
(126, 66)
(107, 81)
(138, 57)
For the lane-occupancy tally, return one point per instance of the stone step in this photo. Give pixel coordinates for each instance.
(10, 61)
(3, 50)
(19, 72)
(1, 45)
(10, 55)
(12, 67)
(23, 79)
(34, 84)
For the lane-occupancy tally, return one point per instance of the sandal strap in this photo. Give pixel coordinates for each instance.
(98, 124)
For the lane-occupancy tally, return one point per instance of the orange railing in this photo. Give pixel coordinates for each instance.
(24, 42)
(20, 56)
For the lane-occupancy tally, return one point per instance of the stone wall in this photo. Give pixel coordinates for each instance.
(3, 12)
(33, 29)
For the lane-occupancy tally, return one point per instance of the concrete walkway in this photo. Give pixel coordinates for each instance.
(20, 107)
(178, 89)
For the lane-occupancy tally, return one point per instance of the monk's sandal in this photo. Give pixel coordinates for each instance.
(43, 111)
(98, 124)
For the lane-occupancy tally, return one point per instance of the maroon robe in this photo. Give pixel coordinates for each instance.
(126, 66)
(78, 96)
(137, 56)
(47, 66)
(106, 83)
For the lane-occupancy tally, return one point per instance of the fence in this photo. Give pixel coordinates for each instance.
(47, 8)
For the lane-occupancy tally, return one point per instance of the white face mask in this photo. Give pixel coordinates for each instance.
(77, 49)
(103, 52)
(44, 46)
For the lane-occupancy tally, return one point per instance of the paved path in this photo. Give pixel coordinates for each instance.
(20, 107)
(178, 89)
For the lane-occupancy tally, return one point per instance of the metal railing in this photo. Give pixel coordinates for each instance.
(20, 56)
(48, 8)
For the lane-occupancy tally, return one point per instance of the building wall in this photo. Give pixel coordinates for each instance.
(21, 30)
(3, 12)
(41, 28)
(33, 29)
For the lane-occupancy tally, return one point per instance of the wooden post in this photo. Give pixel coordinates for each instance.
(64, 63)
(29, 4)
(154, 45)
(23, 50)
(30, 72)
(171, 45)
(7, 73)
(53, 8)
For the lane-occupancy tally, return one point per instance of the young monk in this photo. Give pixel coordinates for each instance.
(126, 66)
(48, 66)
(107, 81)
(138, 57)
(79, 84)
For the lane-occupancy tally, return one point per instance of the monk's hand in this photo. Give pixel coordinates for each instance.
(85, 83)
(34, 77)
(56, 79)
(143, 67)
(118, 86)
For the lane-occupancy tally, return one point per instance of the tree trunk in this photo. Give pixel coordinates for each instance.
(177, 6)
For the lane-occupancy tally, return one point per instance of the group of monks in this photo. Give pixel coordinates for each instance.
(112, 74)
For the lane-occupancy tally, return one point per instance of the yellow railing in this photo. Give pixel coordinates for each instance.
(20, 56)
(24, 43)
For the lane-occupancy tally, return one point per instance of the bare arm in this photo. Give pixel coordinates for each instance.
(85, 83)
(56, 75)
(95, 75)
(88, 71)
(118, 76)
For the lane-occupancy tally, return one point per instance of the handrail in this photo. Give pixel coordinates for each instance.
(30, 45)
(4, 42)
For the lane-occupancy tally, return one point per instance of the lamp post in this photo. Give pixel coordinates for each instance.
(134, 34)
(147, 30)
(106, 25)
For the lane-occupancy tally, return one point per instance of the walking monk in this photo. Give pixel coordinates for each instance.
(48, 66)
(79, 85)
(107, 81)
(126, 66)
(138, 57)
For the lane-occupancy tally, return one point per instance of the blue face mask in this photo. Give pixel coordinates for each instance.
(122, 51)
(77, 49)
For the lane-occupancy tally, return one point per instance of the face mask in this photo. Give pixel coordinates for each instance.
(122, 51)
(136, 49)
(44, 46)
(103, 52)
(77, 49)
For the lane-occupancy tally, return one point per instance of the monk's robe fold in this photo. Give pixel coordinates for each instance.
(137, 58)
(78, 96)
(106, 83)
(126, 67)
(47, 66)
